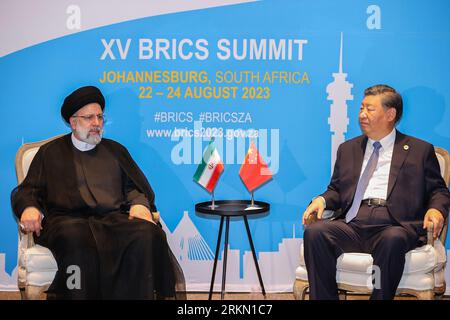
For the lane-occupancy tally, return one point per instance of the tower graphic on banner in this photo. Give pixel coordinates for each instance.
(339, 91)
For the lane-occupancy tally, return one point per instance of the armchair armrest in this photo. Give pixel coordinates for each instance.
(26, 239)
(430, 230)
(327, 214)
(311, 219)
(156, 216)
(441, 237)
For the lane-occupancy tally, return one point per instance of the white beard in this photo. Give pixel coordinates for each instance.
(92, 136)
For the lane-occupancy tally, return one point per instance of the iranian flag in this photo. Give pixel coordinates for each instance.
(208, 172)
(254, 171)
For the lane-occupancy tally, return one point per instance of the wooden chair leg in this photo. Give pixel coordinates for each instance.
(342, 295)
(438, 296)
(34, 292)
(22, 293)
(300, 287)
(423, 295)
(439, 291)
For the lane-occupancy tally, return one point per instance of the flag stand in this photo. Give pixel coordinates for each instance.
(252, 206)
(212, 206)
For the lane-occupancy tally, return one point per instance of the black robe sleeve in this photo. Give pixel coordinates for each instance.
(31, 192)
(134, 196)
(133, 172)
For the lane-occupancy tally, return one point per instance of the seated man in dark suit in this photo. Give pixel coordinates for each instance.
(87, 201)
(389, 188)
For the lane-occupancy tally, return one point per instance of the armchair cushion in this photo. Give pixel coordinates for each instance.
(354, 268)
(39, 264)
(419, 260)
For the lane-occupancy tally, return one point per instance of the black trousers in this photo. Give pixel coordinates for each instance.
(371, 231)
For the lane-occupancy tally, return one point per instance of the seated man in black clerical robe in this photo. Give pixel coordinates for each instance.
(87, 201)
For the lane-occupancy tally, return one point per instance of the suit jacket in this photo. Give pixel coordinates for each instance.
(415, 182)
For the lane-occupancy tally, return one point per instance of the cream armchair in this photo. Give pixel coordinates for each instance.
(36, 265)
(424, 273)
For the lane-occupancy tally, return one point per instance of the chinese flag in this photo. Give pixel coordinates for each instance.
(254, 171)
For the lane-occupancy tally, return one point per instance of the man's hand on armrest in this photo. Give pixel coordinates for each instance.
(30, 220)
(436, 217)
(317, 207)
(141, 212)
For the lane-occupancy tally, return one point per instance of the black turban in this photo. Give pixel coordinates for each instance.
(79, 98)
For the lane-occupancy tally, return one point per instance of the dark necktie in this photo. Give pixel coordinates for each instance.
(364, 182)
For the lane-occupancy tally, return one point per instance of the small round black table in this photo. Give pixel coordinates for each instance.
(226, 209)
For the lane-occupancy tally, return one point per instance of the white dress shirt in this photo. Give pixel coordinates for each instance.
(378, 184)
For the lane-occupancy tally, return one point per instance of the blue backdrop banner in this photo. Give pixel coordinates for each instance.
(288, 75)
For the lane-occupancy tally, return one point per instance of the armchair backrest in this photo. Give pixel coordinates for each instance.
(444, 162)
(24, 157)
(26, 154)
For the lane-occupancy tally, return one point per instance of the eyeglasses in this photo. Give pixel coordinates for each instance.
(90, 117)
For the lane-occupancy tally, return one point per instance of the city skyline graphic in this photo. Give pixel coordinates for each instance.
(197, 259)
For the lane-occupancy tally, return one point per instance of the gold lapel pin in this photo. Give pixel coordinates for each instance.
(406, 147)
